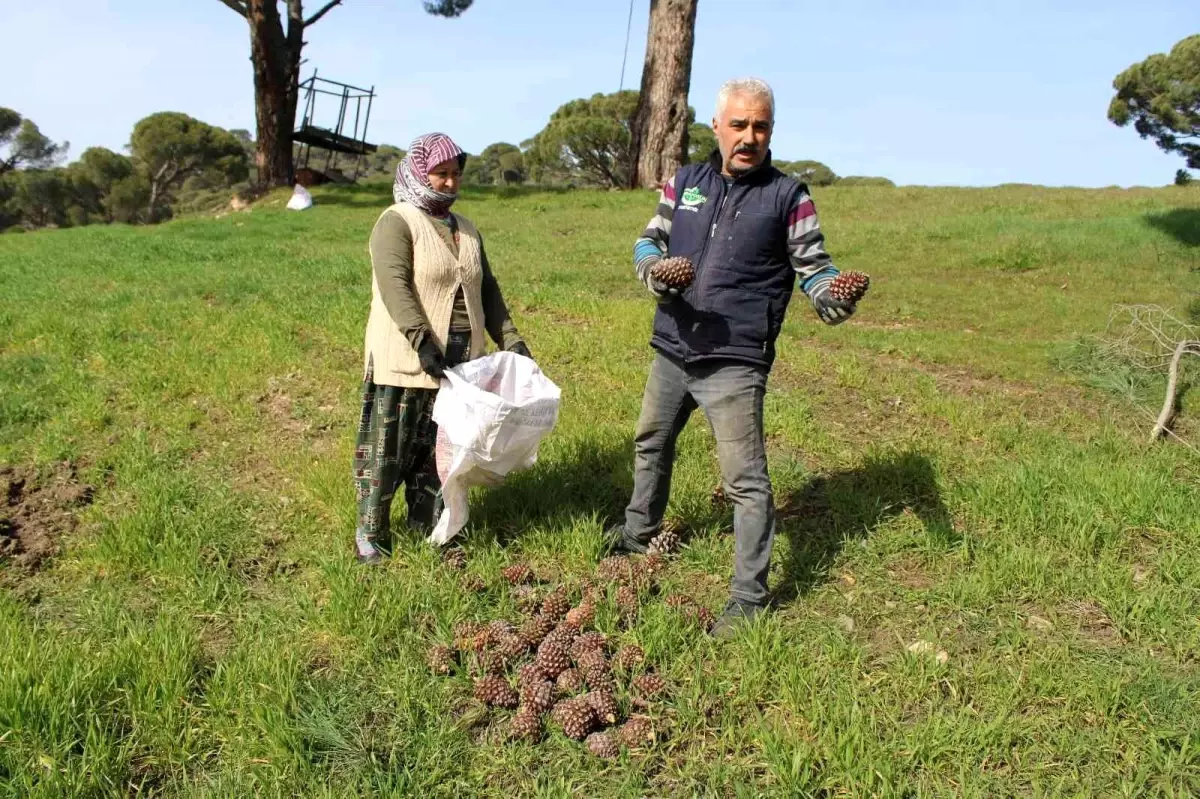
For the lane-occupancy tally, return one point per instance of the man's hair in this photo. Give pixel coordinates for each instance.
(754, 87)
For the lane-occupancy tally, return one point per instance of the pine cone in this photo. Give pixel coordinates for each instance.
(655, 565)
(526, 725)
(517, 574)
(591, 660)
(538, 696)
(664, 543)
(561, 635)
(649, 685)
(680, 601)
(604, 704)
(588, 642)
(636, 732)
(676, 273)
(530, 674)
(553, 659)
(849, 286)
(499, 628)
(569, 682)
(602, 745)
(511, 646)
(556, 604)
(701, 616)
(534, 631)
(495, 692)
(576, 718)
(582, 616)
(466, 636)
(630, 657)
(473, 584)
(719, 498)
(441, 659)
(455, 558)
(627, 601)
(614, 569)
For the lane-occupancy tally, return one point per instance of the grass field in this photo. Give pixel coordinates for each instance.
(988, 581)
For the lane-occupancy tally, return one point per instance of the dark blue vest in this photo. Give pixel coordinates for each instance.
(735, 233)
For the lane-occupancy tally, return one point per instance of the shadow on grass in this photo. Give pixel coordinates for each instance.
(1183, 224)
(834, 509)
(588, 481)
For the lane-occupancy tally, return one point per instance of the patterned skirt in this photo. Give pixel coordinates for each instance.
(395, 444)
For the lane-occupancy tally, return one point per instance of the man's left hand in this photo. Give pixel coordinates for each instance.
(831, 311)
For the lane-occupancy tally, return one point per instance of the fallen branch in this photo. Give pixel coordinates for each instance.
(1168, 408)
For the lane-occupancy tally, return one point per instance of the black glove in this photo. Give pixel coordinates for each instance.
(520, 349)
(431, 358)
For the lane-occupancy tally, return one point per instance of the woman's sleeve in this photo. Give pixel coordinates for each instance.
(495, 313)
(392, 260)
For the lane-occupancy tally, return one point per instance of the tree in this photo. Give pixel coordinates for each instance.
(92, 178)
(660, 123)
(1161, 96)
(40, 197)
(587, 140)
(27, 146)
(701, 142)
(275, 55)
(1183, 177)
(169, 147)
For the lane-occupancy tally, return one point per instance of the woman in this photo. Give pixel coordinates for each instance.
(433, 297)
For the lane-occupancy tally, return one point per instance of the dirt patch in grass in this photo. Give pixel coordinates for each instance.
(1092, 624)
(36, 511)
(910, 573)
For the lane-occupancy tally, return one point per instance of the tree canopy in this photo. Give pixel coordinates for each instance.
(586, 140)
(23, 145)
(1161, 97)
(170, 147)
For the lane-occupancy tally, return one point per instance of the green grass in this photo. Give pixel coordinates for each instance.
(204, 630)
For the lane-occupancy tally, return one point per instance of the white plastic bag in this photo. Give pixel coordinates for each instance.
(492, 414)
(301, 199)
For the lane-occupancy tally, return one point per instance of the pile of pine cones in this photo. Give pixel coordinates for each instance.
(552, 664)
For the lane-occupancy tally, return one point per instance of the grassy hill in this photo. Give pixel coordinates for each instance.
(988, 582)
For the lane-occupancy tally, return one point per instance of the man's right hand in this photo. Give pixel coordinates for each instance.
(432, 362)
(661, 291)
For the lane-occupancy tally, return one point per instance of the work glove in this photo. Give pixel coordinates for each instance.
(661, 291)
(520, 349)
(432, 362)
(831, 311)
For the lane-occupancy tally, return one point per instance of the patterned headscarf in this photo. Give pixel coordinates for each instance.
(412, 173)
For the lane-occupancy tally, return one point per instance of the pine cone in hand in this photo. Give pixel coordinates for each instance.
(674, 273)
(849, 286)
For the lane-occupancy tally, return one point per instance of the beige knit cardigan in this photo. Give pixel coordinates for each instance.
(436, 277)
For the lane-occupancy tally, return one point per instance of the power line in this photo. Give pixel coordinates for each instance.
(625, 55)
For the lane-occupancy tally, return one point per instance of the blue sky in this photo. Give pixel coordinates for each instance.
(964, 93)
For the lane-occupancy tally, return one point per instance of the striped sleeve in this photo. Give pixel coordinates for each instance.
(652, 245)
(806, 244)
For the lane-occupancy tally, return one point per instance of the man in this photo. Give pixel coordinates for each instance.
(749, 230)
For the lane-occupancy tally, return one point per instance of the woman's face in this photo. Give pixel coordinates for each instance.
(445, 176)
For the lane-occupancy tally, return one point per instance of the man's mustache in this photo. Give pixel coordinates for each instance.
(746, 148)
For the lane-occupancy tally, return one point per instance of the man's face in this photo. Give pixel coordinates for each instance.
(743, 132)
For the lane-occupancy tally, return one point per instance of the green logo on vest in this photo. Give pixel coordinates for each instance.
(693, 196)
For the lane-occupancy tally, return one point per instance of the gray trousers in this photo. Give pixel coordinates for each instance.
(731, 396)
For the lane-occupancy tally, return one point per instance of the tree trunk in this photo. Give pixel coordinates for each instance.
(276, 59)
(660, 124)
